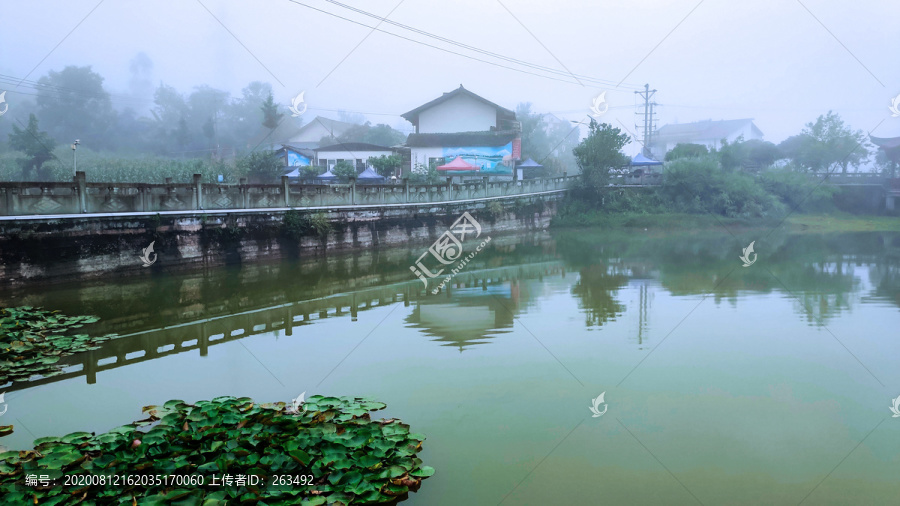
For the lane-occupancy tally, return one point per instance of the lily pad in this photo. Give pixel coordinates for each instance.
(351, 459)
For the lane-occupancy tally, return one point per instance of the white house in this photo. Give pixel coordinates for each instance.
(309, 135)
(708, 133)
(357, 153)
(461, 123)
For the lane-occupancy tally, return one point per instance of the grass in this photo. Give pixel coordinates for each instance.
(843, 223)
(816, 223)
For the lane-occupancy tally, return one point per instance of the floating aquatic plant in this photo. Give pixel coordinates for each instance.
(331, 447)
(33, 340)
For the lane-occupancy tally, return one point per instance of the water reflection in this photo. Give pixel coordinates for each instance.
(616, 277)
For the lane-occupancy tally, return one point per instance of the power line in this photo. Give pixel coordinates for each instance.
(38, 86)
(474, 48)
(437, 47)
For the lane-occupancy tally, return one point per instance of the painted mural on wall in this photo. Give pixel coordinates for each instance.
(490, 158)
(295, 159)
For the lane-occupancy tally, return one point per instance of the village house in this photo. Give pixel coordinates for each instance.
(357, 153)
(462, 124)
(309, 135)
(707, 133)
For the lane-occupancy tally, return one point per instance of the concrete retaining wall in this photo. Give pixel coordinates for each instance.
(51, 249)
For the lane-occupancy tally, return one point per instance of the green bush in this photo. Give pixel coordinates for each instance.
(798, 191)
(698, 185)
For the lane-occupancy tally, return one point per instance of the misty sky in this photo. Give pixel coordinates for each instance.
(772, 60)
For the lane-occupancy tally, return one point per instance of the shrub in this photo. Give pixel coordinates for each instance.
(698, 185)
(797, 191)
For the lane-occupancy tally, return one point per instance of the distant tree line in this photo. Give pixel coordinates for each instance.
(206, 124)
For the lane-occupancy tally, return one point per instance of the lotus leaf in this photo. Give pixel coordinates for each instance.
(352, 459)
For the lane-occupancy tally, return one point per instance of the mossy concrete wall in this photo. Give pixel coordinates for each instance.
(51, 249)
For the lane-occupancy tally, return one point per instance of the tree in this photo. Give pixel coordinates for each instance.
(181, 135)
(421, 174)
(743, 154)
(386, 165)
(262, 166)
(597, 155)
(344, 170)
(271, 116)
(381, 135)
(37, 146)
(74, 105)
(686, 150)
(887, 164)
(548, 141)
(825, 144)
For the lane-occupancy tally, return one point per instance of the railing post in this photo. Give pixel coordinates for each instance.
(285, 190)
(406, 188)
(244, 197)
(81, 181)
(484, 181)
(450, 188)
(198, 188)
(352, 191)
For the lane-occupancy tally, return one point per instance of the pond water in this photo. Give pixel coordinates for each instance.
(723, 384)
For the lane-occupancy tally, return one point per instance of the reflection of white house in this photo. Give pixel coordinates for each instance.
(309, 135)
(708, 133)
(357, 153)
(461, 123)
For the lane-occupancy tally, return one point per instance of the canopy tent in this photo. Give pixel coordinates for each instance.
(326, 176)
(459, 164)
(369, 176)
(530, 164)
(640, 160)
(527, 169)
(293, 173)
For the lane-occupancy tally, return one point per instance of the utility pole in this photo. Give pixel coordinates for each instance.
(646, 94)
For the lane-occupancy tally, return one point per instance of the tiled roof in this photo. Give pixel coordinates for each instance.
(702, 130)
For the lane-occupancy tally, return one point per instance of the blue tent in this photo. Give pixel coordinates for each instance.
(640, 160)
(369, 176)
(529, 164)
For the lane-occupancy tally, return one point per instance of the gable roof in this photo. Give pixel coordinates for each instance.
(353, 146)
(413, 115)
(707, 129)
(332, 125)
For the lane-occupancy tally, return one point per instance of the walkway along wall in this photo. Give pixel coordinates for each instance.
(57, 248)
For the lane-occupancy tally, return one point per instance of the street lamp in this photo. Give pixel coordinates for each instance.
(74, 156)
